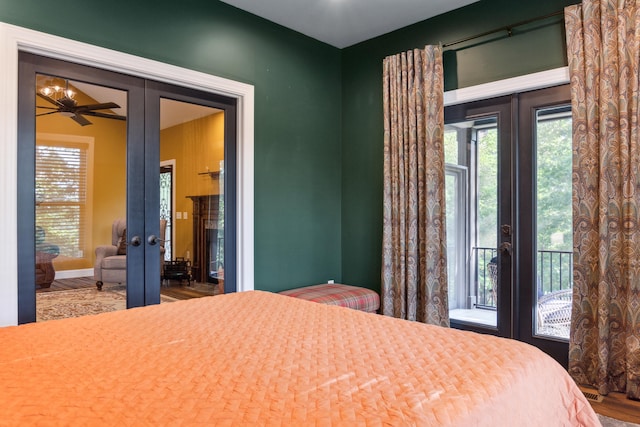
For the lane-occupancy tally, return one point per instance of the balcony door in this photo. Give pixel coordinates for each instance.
(509, 217)
(89, 157)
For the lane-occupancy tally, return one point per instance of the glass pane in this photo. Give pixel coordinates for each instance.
(192, 198)
(456, 208)
(452, 215)
(554, 222)
(80, 154)
(166, 205)
(474, 293)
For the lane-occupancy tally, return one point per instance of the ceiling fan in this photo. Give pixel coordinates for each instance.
(64, 103)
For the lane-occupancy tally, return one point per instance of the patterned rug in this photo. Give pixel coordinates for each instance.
(82, 302)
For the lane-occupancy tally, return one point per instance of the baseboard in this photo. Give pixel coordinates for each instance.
(72, 274)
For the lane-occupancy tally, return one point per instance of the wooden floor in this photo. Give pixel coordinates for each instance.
(172, 288)
(68, 284)
(616, 405)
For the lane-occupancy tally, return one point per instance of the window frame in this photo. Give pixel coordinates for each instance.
(460, 174)
(86, 208)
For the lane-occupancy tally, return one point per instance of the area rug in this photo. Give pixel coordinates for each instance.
(82, 302)
(610, 422)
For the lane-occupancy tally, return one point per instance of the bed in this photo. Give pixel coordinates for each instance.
(257, 358)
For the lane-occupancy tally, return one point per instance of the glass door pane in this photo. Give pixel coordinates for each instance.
(554, 242)
(80, 198)
(472, 146)
(478, 168)
(192, 140)
(545, 224)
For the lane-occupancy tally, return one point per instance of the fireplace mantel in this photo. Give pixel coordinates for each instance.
(205, 217)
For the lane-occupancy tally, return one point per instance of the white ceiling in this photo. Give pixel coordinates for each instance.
(343, 23)
(172, 113)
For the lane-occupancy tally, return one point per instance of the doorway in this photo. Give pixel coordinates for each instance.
(509, 217)
(137, 203)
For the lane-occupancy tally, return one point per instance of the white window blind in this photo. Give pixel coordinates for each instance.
(61, 195)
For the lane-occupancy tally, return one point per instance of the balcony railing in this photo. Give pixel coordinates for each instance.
(554, 273)
(485, 282)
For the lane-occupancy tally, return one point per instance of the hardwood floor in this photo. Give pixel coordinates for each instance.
(616, 405)
(68, 284)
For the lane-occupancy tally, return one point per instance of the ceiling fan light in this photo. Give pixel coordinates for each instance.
(46, 91)
(69, 93)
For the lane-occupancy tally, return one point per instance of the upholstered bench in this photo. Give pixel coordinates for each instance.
(337, 294)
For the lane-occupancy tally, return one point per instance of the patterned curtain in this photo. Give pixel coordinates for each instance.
(414, 266)
(603, 40)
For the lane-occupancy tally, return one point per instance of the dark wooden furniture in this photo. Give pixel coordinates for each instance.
(178, 269)
(45, 253)
(45, 272)
(205, 229)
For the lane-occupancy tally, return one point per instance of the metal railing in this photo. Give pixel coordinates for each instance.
(554, 272)
(484, 280)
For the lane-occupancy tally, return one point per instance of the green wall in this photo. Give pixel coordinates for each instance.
(297, 110)
(318, 116)
(532, 48)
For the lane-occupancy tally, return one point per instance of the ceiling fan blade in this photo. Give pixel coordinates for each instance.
(103, 106)
(46, 114)
(48, 108)
(51, 100)
(104, 115)
(80, 120)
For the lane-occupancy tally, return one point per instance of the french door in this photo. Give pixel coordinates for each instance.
(106, 155)
(206, 185)
(509, 217)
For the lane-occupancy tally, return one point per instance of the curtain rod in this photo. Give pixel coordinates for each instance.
(507, 28)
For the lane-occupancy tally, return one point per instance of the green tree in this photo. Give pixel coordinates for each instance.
(553, 185)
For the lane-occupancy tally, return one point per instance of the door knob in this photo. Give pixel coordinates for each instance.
(505, 247)
(135, 241)
(153, 239)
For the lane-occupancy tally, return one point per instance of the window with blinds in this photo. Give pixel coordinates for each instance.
(61, 194)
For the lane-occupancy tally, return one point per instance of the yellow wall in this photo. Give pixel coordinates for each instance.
(109, 177)
(196, 146)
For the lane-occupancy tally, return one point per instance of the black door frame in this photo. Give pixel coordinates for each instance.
(154, 92)
(500, 108)
(525, 259)
(30, 65)
(142, 155)
(516, 194)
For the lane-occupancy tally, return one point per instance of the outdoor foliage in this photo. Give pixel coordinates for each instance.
(553, 189)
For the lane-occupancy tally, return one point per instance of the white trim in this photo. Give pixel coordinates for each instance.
(542, 79)
(72, 274)
(14, 39)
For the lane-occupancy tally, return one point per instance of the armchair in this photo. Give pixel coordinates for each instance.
(111, 260)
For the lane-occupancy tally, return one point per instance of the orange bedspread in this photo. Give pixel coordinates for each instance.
(257, 358)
